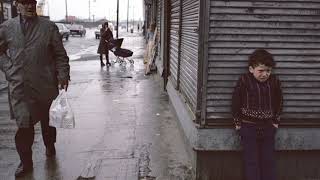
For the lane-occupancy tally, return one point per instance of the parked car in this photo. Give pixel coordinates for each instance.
(77, 29)
(111, 26)
(63, 30)
(68, 26)
(97, 31)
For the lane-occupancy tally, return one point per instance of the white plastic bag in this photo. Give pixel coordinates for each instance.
(60, 113)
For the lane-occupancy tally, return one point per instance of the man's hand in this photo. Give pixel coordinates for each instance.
(276, 125)
(64, 84)
(238, 128)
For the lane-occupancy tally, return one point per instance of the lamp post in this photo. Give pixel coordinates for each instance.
(89, 10)
(117, 35)
(133, 19)
(128, 17)
(48, 6)
(66, 11)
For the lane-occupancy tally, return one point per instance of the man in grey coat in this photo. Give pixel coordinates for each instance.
(35, 64)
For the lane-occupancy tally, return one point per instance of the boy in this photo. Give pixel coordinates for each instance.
(256, 107)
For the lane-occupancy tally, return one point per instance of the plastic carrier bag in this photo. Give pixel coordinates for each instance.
(60, 113)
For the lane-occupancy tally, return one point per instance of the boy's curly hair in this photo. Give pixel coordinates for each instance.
(261, 56)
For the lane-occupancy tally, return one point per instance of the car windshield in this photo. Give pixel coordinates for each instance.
(60, 26)
(76, 26)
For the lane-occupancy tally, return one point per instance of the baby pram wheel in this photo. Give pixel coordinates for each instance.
(121, 53)
(123, 62)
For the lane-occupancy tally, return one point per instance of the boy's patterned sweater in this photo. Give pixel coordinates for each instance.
(257, 102)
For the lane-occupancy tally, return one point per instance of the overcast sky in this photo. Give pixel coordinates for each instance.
(99, 8)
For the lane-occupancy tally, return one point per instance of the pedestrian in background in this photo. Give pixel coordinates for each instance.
(256, 108)
(35, 63)
(150, 40)
(143, 29)
(150, 32)
(106, 38)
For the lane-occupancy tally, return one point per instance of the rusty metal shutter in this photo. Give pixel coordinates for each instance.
(174, 40)
(189, 51)
(289, 29)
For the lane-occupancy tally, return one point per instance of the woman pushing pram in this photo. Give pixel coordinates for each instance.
(107, 42)
(103, 49)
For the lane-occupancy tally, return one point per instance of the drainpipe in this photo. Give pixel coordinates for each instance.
(164, 43)
(179, 45)
(201, 108)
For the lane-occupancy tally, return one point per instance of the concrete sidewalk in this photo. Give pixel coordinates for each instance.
(125, 127)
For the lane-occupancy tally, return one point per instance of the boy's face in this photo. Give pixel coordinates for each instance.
(261, 72)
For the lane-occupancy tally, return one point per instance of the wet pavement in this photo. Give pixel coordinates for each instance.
(125, 127)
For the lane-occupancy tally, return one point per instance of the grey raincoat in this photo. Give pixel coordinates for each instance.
(33, 62)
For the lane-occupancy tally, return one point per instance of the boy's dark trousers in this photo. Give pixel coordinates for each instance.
(258, 151)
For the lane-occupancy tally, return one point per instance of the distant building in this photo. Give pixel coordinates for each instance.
(71, 19)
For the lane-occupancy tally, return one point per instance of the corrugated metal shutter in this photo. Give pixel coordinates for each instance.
(189, 51)
(290, 30)
(174, 43)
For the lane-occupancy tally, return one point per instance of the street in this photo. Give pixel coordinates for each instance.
(125, 125)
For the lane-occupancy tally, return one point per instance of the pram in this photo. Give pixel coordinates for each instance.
(121, 53)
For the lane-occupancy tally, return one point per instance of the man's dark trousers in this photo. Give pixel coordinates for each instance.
(25, 136)
(258, 151)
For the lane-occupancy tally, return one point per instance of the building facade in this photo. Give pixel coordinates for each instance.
(203, 47)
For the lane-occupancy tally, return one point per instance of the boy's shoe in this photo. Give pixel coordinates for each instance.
(102, 64)
(23, 170)
(50, 151)
(108, 64)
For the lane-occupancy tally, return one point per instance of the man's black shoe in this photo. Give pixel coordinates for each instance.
(108, 64)
(102, 64)
(22, 170)
(51, 151)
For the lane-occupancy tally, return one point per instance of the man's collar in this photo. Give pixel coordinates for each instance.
(24, 19)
